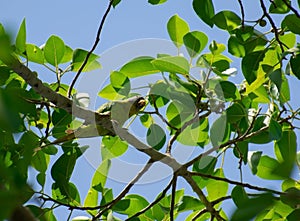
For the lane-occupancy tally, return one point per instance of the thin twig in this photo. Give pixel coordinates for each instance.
(210, 208)
(173, 195)
(125, 190)
(242, 12)
(92, 50)
(203, 211)
(272, 24)
(235, 182)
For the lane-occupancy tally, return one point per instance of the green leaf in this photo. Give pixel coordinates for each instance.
(79, 56)
(236, 47)
(217, 188)
(252, 207)
(115, 3)
(292, 22)
(250, 65)
(217, 48)
(138, 67)
(219, 131)
(40, 161)
(295, 65)
(177, 28)
(100, 175)
(61, 118)
(206, 165)
(156, 136)
(195, 42)
(294, 216)
(267, 167)
(289, 39)
(190, 203)
(227, 20)
(235, 113)
(286, 151)
(291, 197)
(91, 200)
(285, 90)
(239, 196)
(41, 179)
(21, 38)
(227, 90)
(146, 120)
(109, 93)
(67, 55)
(205, 10)
(112, 147)
(120, 83)
(195, 134)
(176, 64)
(131, 204)
(279, 6)
(275, 130)
(63, 167)
(253, 160)
(156, 2)
(54, 50)
(34, 54)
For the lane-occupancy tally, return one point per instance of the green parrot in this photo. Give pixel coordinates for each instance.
(119, 110)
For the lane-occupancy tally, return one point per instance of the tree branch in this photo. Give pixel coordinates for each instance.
(93, 48)
(173, 195)
(125, 190)
(162, 195)
(235, 182)
(209, 206)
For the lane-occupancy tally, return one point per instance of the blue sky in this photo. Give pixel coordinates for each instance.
(76, 22)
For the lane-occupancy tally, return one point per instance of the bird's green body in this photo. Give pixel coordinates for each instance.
(120, 111)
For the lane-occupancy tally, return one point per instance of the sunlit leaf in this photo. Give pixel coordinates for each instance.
(177, 28)
(79, 56)
(227, 20)
(112, 147)
(120, 83)
(195, 42)
(176, 64)
(216, 188)
(34, 54)
(21, 38)
(139, 66)
(54, 50)
(100, 175)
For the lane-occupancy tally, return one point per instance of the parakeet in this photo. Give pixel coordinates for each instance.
(119, 110)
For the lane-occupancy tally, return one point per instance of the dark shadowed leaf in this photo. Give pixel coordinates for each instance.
(205, 10)
(252, 207)
(156, 136)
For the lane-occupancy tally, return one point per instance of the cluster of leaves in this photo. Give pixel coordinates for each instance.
(253, 111)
